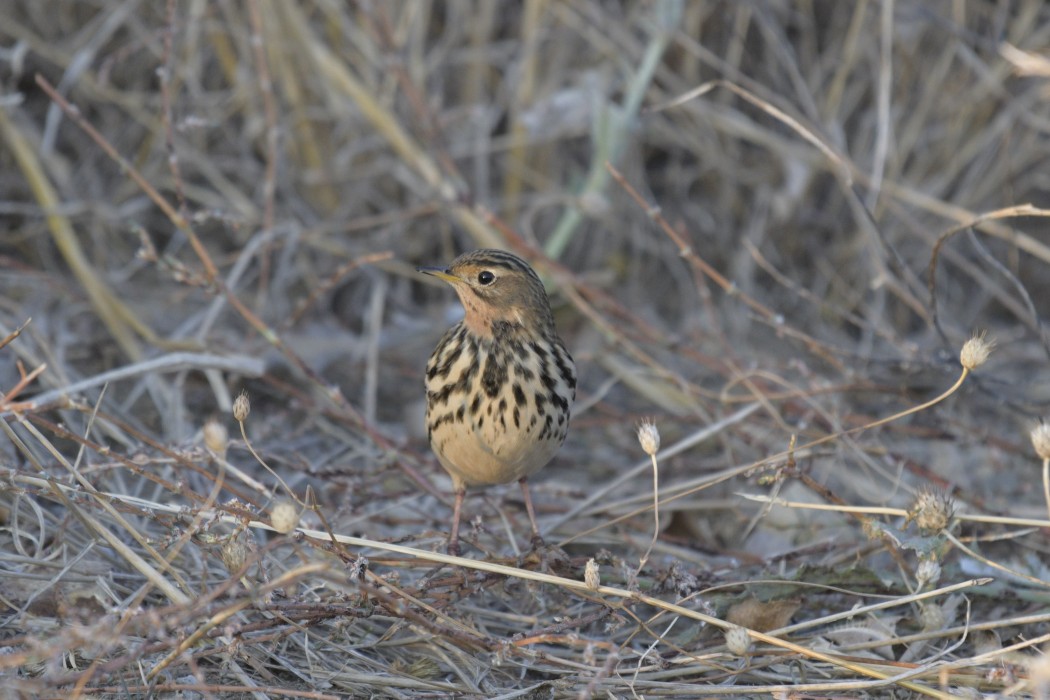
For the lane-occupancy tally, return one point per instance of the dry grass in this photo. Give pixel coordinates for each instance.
(768, 227)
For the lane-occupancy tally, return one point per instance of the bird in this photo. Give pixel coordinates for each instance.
(500, 384)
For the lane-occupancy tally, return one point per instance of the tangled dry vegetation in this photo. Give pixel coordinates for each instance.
(767, 227)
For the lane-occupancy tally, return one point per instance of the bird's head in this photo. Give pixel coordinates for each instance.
(499, 292)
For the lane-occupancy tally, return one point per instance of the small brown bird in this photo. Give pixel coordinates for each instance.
(500, 382)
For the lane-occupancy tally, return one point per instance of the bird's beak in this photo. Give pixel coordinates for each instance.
(439, 272)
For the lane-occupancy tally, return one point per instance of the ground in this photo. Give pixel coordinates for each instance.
(803, 239)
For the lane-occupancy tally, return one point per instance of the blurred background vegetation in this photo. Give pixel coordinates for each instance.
(757, 220)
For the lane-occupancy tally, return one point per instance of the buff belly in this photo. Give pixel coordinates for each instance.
(476, 460)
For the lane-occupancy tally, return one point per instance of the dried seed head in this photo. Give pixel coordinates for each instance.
(870, 528)
(931, 617)
(738, 640)
(649, 437)
(241, 407)
(590, 575)
(1041, 439)
(234, 554)
(928, 573)
(932, 511)
(976, 350)
(284, 517)
(216, 437)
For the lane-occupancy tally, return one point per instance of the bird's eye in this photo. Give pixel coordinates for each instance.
(486, 277)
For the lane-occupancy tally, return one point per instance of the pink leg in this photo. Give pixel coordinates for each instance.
(537, 539)
(453, 539)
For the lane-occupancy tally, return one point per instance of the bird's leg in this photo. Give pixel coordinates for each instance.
(453, 538)
(537, 539)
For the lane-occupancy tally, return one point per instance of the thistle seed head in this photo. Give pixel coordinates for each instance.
(976, 350)
(932, 512)
(649, 437)
(284, 517)
(738, 641)
(216, 437)
(241, 407)
(1041, 440)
